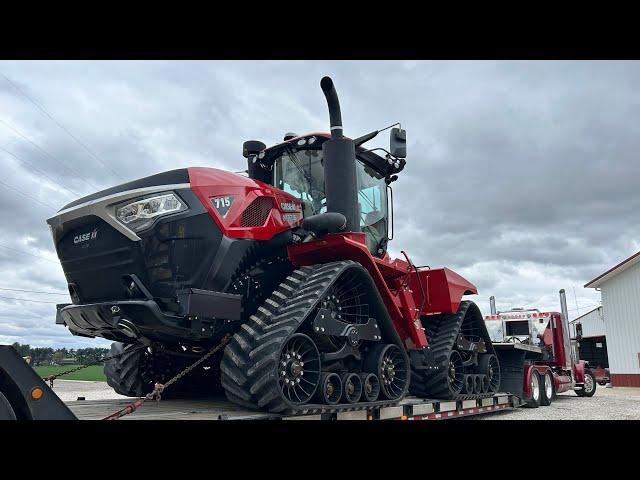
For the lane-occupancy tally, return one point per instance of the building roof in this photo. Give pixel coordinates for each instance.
(585, 314)
(612, 272)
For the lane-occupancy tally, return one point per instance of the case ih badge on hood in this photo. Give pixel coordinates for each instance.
(292, 261)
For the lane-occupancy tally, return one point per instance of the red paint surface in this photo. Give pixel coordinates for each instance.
(208, 183)
(625, 379)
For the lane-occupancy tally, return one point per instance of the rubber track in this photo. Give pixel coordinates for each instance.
(249, 376)
(442, 331)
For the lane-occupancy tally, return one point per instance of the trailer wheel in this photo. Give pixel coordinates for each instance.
(547, 390)
(534, 385)
(589, 386)
(6, 411)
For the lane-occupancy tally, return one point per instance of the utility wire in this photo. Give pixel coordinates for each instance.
(32, 291)
(48, 205)
(25, 300)
(27, 253)
(41, 172)
(24, 137)
(41, 108)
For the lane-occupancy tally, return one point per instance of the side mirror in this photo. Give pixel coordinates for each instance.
(398, 143)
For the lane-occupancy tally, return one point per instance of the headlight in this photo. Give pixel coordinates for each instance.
(141, 213)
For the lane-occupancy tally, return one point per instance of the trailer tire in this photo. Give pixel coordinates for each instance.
(6, 411)
(547, 392)
(534, 401)
(589, 386)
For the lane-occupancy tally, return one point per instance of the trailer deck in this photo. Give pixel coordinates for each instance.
(410, 408)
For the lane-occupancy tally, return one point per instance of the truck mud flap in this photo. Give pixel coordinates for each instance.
(511, 370)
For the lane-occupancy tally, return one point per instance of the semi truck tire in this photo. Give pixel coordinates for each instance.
(534, 401)
(589, 386)
(546, 389)
(6, 411)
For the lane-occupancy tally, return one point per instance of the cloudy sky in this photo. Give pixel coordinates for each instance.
(521, 176)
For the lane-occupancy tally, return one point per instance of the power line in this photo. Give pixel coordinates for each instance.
(24, 137)
(41, 172)
(26, 300)
(48, 205)
(27, 253)
(32, 291)
(41, 108)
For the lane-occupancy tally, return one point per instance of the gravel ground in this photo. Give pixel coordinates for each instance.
(607, 403)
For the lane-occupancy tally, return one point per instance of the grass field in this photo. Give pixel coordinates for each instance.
(93, 372)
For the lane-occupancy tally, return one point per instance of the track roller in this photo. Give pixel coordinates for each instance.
(477, 384)
(370, 386)
(468, 384)
(330, 390)
(352, 387)
(485, 384)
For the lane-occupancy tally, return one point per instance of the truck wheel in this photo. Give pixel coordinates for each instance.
(589, 386)
(546, 392)
(534, 385)
(6, 412)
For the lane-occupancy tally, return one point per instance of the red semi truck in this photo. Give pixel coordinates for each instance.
(536, 358)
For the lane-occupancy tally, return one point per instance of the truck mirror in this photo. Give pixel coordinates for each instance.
(398, 143)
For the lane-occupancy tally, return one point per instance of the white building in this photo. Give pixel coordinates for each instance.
(620, 292)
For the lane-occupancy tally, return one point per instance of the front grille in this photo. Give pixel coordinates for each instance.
(256, 214)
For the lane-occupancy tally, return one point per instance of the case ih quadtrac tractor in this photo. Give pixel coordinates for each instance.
(291, 261)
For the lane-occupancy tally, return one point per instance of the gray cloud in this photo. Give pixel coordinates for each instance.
(521, 175)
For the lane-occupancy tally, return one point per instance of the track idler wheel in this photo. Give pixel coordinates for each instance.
(370, 386)
(388, 363)
(489, 366)
(299, 369)
(352, 387)
(330, 390)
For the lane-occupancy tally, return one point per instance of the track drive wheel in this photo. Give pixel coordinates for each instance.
(589, 386)
(546, 389)
(388, 363)
(536, 393)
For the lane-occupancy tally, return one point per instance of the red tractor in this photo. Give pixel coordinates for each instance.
(291, 261)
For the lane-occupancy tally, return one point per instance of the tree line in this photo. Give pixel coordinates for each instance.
(48, 356)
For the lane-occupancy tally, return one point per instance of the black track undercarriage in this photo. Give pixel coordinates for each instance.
(322, 340)
(465, 365)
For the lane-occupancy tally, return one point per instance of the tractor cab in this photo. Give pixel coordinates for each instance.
(296, 166)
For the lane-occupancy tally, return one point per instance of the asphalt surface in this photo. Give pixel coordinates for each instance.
(607, 404)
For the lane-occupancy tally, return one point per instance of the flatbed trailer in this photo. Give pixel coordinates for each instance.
(410, 408)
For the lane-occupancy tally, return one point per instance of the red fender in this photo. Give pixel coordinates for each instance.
(443, 289)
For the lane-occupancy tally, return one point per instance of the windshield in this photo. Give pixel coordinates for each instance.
(300, 173)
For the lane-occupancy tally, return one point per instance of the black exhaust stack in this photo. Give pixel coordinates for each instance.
(339, 155)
